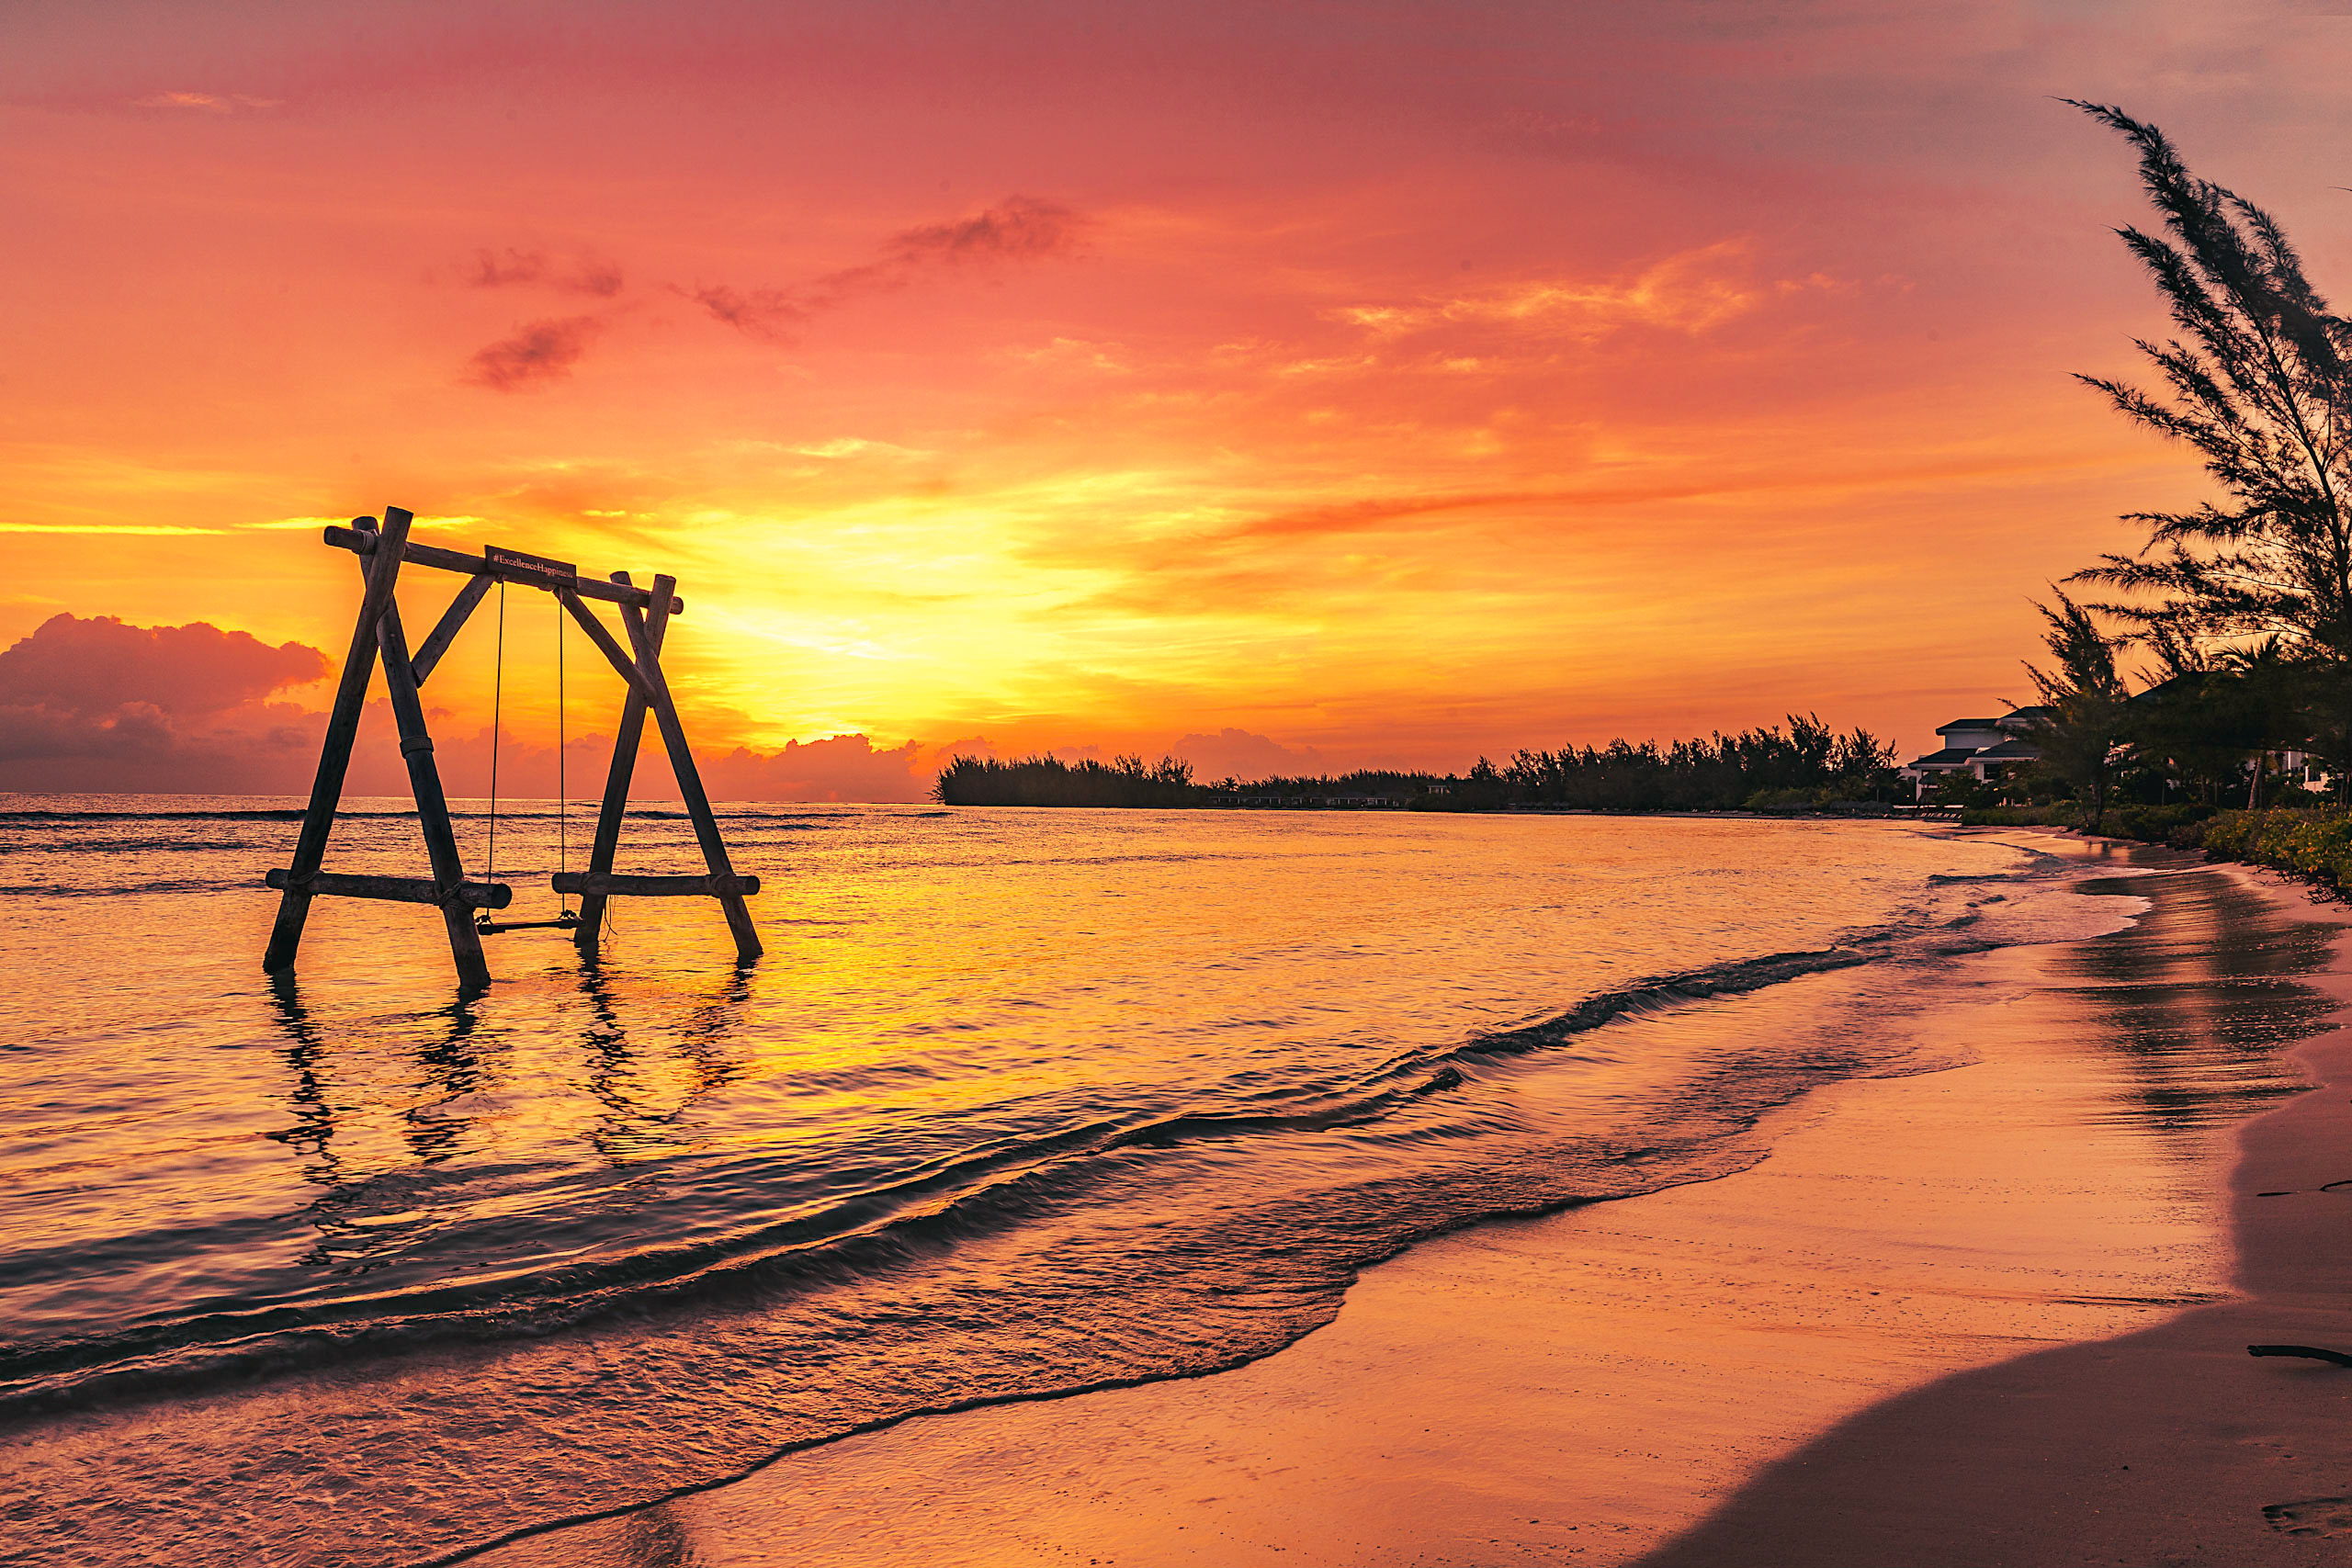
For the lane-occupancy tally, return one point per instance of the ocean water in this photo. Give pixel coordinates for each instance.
(350, 1269)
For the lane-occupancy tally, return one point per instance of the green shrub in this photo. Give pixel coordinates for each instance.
(2154, 824)
(2313, 843)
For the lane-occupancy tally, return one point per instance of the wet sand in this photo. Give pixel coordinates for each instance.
(1934, 1326)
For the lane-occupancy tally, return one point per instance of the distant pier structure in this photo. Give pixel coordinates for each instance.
(645, 614)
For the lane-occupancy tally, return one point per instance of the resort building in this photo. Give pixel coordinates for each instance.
(1981, 747)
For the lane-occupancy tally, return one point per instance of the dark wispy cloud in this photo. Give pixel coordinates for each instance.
(539, 353)
(208, 103)
(1020, 228)
(768, 314)
(580, 273)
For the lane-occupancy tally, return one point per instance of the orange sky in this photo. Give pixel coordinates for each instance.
(1390, 382)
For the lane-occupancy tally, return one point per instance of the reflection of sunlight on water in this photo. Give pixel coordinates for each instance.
(1016, 1100)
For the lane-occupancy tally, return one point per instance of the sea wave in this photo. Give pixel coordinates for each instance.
(876, 1226)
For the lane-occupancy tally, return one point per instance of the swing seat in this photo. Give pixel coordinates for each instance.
(563, 922)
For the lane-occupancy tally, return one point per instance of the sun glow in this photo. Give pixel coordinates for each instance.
(1429, 425)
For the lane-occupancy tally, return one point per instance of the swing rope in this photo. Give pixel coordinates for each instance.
(562, 789)
(497, 696)
(564, 916)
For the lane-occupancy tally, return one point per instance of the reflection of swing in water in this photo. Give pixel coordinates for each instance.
(645, 615)
(349, 1087)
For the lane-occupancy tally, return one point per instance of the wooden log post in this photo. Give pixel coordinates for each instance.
(626, 742)
(335, 751)
(682, 762)
(432, 806)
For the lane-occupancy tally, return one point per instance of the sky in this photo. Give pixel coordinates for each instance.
(1295, 387)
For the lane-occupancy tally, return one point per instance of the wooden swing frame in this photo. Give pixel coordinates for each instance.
(645, 615)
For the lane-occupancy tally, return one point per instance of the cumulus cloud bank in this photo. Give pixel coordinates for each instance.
(840, 767)
(1237, 753)
(96, 706)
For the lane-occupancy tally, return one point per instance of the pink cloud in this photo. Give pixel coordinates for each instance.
(93, 668)
(1020, 228)
(840, 767)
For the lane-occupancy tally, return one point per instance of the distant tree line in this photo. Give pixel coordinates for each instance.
(1807, 764)
(1049, 780)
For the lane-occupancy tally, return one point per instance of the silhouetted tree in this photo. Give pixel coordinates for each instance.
(1048, 781)
(2086, 697)
(2260, 384)
(2266, 690)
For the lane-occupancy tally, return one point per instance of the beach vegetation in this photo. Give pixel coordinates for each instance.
(2304, 841)
(2311, 840)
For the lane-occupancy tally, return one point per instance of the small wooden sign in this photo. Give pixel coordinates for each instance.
(522, 564)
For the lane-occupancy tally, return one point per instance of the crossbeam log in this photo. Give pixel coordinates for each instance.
(398, 889)
(361, 542)
(628, 885)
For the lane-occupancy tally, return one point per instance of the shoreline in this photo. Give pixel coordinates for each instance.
(1562, 1414)
(2170, 1445)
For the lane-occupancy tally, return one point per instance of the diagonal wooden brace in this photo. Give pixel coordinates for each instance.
(621, 663)
(645, 634)
(453, 619)
(334, 751)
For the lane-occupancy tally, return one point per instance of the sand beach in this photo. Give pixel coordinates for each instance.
(1992, 1314)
